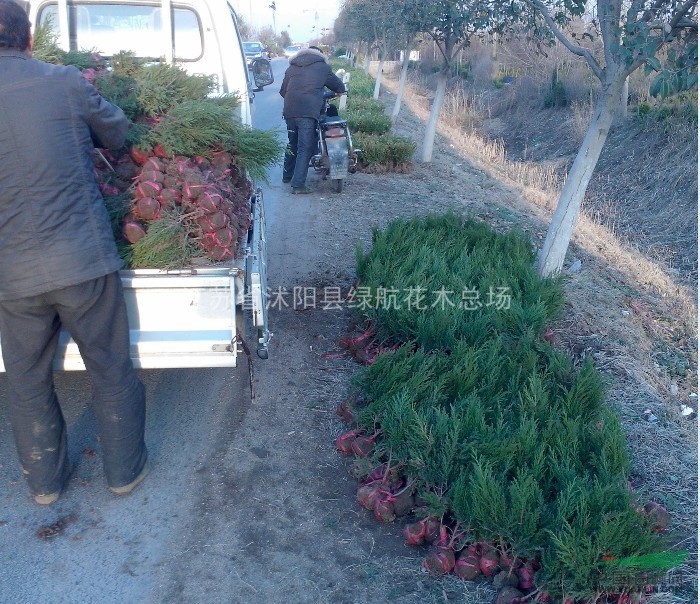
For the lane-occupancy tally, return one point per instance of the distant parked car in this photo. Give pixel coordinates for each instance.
(254, 50)
(290, 51)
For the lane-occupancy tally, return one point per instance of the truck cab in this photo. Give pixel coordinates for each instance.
(201, 36)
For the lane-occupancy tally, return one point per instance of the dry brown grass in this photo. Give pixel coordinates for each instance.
(541, 183)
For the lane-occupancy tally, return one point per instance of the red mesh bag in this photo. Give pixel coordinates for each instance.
(147, 208)
(133, 231)
(148, 189)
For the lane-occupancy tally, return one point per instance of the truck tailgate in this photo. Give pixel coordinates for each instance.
(183, 319)
(176, 319)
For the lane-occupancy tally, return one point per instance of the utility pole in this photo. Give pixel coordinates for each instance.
(273, 6)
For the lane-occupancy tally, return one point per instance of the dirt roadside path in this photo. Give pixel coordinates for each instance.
(277, 519)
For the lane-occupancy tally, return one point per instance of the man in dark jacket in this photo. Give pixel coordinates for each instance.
(59, 265)
(302, 88)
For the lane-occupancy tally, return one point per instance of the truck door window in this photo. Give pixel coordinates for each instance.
(111, 28)
(188, 35)
(238, 43)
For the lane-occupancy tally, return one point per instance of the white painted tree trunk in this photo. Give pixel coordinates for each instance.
(369, 50)
(343, 102)
(553, 252)
(378, 81)
(429, 140)
(624, 99)
(402, 85)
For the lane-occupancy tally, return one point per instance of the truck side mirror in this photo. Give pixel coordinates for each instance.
(262, 73)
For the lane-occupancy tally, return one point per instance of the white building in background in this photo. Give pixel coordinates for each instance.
(414, 55)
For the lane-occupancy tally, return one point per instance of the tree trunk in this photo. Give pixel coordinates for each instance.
(553, 252)
(429, 140)
(402, 85)
(369, 50)
(378, 82)
(624, 99)
(495, 70)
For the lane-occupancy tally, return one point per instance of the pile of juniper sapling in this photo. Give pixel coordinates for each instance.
(179, 193)
(503, 451)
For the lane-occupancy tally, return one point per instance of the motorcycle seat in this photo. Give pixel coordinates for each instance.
(333, 121)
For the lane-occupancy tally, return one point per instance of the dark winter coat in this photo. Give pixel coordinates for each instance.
(302, 88)
(54, 227)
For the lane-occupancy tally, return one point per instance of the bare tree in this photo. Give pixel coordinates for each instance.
(388, 30)
(451, 24)
(285, 39)
(354, 27)
(409, 39)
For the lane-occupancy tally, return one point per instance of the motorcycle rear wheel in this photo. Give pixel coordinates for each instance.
(337, 184)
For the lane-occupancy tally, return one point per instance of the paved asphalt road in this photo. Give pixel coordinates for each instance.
(110, 549)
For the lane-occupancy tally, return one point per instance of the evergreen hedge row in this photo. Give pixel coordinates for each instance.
(369, 126)
(367, 122)
(499, 431)
(384, 152)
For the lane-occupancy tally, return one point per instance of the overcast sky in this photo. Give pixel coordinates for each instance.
(301, 18)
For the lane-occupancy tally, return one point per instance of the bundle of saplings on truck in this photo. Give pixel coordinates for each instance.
(179, 192)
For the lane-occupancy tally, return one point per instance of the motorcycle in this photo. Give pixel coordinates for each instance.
(335, 156)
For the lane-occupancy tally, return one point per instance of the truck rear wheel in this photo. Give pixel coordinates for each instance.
(337, 184)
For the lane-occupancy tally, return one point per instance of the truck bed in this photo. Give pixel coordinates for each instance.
(190, 317)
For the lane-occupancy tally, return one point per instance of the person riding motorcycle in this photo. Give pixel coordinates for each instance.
(302, 88)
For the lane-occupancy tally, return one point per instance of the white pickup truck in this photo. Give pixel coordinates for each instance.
(189, 317)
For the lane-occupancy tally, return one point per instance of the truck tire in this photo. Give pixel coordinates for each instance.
(337, 184)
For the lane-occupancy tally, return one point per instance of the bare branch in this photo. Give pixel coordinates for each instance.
(577, 50)
(649, 13)
(682, 13)
(436, 39)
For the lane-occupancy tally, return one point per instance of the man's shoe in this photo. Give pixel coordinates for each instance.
(52, 498)
(127, 488)
(286, 180)
(300, 190)
(47, 499)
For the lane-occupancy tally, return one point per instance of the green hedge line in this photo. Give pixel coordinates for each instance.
(367, 122)
(370, 126)
(384, 151)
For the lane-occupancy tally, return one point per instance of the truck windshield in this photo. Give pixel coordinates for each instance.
(111, 28)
